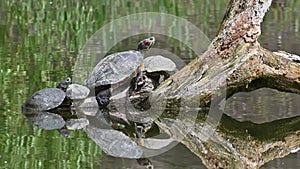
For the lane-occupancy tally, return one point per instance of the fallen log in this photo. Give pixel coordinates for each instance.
(234, 62)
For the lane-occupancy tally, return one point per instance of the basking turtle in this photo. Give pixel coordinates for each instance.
(48, 98)
(114, 69)
(77, 91)
(63, 85)
(158, 68)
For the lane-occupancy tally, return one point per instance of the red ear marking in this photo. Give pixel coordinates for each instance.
(146, 42)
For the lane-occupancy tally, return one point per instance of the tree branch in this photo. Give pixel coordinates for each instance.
(235, 60)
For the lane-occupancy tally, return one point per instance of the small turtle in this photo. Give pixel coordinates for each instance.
(113, 70)
(63, 85)
(158, 68)
(77, 91)
(48, 98)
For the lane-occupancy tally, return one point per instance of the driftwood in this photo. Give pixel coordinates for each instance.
(235, 62)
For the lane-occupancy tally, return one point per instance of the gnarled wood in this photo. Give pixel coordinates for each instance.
(235, 60)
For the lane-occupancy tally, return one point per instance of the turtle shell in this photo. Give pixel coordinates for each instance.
(159, 63)
(115, 68)
(77, 91)
(45, 99)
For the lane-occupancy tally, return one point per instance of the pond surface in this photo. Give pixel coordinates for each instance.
(39, 44)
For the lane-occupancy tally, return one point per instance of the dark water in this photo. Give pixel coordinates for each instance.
(39, 43)
(178, 158)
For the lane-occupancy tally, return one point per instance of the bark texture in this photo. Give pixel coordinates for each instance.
(235, 61)
(236, 58)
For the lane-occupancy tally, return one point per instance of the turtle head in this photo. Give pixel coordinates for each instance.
(146, 43)
(63, 85)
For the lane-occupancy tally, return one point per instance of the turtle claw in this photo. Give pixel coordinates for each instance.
(64, 131)
(140, 134)
(145, 162)
(161, 79)
(73, 108)
(138, 80)
(103, 98)
(102, 102)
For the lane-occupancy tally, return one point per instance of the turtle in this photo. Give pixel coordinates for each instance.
(48, 98)
(113, 70)
(64, 84)
(158, 68)
(77, 92)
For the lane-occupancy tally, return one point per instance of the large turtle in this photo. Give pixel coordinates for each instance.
(48, 98)
(114, 69)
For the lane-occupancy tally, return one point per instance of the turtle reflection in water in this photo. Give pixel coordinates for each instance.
(118, 121)
(52, 121)
(114, 133)
(115, 69)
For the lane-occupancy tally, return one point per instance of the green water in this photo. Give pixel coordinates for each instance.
(39, 43)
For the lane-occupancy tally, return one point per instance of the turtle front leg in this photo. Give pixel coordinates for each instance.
(145, 162)
(73, 108)
(140, 134)
(64, 131)
(139, 79)
(103, 97)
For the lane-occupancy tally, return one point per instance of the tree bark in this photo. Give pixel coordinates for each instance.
(235, 56)
(235, 61)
